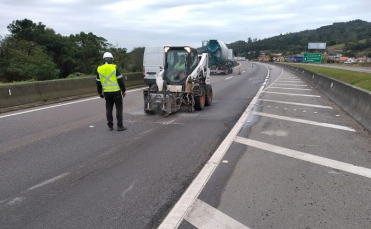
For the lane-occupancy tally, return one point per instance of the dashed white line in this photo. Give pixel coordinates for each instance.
(299, 85)
(299, 104)
(307, 157)
(300, 89)
(305, 121)
(289, 94)
(48, 181)
(16, 200)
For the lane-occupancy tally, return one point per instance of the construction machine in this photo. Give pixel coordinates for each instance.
(185, 80)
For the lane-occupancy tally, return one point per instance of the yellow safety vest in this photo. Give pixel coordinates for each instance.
(107, 76)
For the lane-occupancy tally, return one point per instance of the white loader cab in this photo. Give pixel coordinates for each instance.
(153, 63)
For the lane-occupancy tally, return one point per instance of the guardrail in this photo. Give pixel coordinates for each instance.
(353, 100)
(20, 96)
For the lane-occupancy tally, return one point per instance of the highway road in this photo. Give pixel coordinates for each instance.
(61, 168)
(283, 156)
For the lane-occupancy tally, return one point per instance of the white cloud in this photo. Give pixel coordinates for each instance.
(137, 23)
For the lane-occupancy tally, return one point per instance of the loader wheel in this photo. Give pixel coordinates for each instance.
(208, 95)
(200, 101)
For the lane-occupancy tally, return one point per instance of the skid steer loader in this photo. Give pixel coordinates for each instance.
(185, 80)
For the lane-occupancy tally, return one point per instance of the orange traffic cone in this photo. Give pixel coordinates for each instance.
(239, 71)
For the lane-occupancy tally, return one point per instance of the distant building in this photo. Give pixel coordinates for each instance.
(296, 58)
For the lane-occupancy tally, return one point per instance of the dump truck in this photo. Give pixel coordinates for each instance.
(185, 80)
(220, 57)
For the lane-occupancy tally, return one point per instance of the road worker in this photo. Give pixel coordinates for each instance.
(110, 85)
(179, 69)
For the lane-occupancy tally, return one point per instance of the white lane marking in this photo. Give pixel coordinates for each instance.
(186, 201)
(299, 104)
(282, 84)
(204, 216)
(305, 121)
(229, 78)
(366, 172)
(279, 133)
(285, 88)
(167, 123)
(48, 181)
(296, 81)
(280, 93)
(147, 131)
(59, 105)
(128, 189)
(274, 80)
(16, 201)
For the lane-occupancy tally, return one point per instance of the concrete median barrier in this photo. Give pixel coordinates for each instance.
(353, 100)
(20, 96)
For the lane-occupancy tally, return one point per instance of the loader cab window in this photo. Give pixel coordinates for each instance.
(176, 65)
(194, 61)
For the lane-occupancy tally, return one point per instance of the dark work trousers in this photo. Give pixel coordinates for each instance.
(113, 98)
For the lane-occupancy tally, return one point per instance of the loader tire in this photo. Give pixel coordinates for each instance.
(208, 95)
(200, 100)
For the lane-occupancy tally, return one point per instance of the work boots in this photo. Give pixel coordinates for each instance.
(121, 128)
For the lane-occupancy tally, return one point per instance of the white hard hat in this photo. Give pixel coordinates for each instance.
(107, 54)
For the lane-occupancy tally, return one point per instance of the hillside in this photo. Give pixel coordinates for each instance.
(347, 33)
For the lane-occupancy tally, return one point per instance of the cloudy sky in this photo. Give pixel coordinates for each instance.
(139, 23)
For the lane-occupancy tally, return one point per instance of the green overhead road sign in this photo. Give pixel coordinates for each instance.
(312, 57)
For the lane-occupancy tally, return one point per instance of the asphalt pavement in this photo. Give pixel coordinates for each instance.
(61, 168)
(271, 152)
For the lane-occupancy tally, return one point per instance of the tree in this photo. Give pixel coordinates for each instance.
(90, 49)
(249, 40)
(27, 30)
(26, 60)
(136, 57)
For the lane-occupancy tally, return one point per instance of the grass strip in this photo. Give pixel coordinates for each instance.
(358, 79)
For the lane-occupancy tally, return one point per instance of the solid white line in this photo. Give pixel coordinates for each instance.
(204, 216)
(185, 203)
(301, 89)
(307, 157)
(274, 80)
(59, 105)
(280, 93)
(300, 85)
(305, 121)
(229, 78)
(48, 181)
(299, 104)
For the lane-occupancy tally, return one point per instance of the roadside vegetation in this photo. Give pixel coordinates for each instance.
(358, 79)
(33, 52)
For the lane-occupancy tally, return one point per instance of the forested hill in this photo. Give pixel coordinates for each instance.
(340, 32)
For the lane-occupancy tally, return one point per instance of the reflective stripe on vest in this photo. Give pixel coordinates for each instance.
(107, 76)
